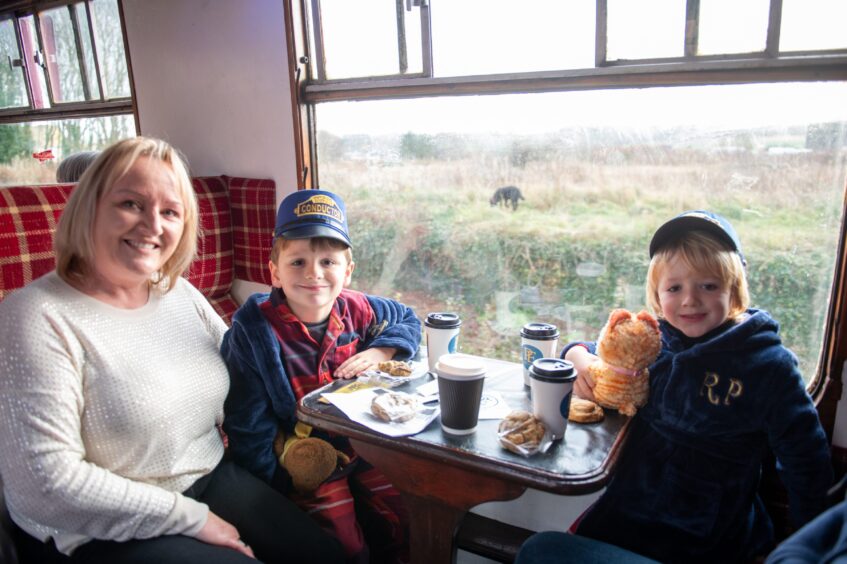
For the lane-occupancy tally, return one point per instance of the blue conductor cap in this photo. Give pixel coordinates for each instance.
(312, 213)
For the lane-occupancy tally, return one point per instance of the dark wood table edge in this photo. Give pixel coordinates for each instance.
(562, 484)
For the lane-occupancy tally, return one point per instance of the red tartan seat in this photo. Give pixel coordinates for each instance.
(236, 219)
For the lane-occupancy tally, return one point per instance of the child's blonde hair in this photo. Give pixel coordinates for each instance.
(315, 243)
(701, 253)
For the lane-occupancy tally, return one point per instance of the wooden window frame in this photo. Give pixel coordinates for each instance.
(319, 59)
(97, 107)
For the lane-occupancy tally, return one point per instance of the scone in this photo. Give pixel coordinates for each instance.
(584, 411)
(520, 428)
(394, 406)
(395, 368)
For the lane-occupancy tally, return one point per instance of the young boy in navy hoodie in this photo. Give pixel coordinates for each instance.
(723, 391)
(306, 332)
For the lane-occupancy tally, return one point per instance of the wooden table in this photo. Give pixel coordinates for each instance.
(441, 476)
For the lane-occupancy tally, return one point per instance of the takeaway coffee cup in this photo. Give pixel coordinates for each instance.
(460, 381)
(538, 340)
(442, 334)
(551, 384)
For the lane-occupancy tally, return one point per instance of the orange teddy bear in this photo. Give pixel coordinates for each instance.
(628, 344)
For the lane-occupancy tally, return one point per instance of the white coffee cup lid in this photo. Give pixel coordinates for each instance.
(458, 364)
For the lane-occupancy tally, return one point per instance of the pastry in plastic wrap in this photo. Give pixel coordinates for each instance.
(394, 406)
(521, 432)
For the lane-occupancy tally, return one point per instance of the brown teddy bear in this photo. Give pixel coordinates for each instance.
(308, 460)
(628, 344)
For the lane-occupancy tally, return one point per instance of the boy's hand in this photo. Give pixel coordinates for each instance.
(584, 386)
(581, 358)
(364, 360)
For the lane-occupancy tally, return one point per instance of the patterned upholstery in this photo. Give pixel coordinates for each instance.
(28, 218)
(253, 208)
(29, 214)
(212, 272)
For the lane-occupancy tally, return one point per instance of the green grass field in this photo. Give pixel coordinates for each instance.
(424, 233)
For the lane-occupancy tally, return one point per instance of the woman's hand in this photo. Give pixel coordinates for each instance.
(364, 360)
(218, 532)
(581, 358)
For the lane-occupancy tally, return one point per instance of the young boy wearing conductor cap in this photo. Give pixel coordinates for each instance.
(309, 330)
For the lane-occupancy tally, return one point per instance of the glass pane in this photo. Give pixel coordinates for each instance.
(728, 26)
(414, 58)
(360, 38)
(645, 30)
(110, 48)
(30, 152)
(12, 85)
(61, 55)
(598, 172)
(502, 36)
(813, 24)
(90, 76)
(37, 77)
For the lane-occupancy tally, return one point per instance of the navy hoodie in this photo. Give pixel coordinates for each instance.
(686, 486)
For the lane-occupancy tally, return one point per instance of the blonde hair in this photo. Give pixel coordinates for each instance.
(315, 243)
(73, 243)
(702, 253)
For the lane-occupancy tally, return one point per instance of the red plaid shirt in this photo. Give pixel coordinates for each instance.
(309, 364)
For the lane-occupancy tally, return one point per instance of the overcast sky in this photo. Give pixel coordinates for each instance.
(740, 106)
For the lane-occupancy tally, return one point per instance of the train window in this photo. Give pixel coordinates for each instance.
(823, 16)
(114, 76)
(536, 174)
(660, 36)
(12, 86)
(69, 69)
(596, 173)
(30, 152)
(60, 48)
(64, 86)
(732, 27)
(563, 38)
(390, 43)
(74, 70)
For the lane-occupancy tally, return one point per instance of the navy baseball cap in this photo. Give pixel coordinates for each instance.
(312, 213)
(699, 220)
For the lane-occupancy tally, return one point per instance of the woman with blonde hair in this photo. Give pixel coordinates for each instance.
(112, 389)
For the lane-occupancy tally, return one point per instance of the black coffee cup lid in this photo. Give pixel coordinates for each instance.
(443, 320)
(552, 370)
(539, 330)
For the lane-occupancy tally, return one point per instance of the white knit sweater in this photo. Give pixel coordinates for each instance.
(107, 414)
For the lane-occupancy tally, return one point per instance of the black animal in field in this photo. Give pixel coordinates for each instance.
(507, 195)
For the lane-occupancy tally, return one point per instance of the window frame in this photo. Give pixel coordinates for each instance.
(97, 107)
(769, 65)
(692, 33)
(319, 60)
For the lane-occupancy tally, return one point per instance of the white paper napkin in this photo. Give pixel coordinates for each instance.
(357, 406)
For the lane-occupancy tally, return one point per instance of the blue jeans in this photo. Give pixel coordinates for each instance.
(553, 547)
